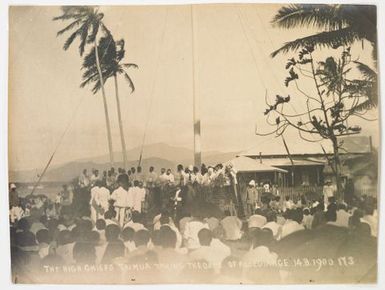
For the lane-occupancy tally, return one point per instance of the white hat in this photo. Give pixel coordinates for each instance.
(12, 186)
(252, 183)
(190, 167)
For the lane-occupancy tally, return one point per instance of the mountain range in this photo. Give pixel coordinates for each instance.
(158, 155)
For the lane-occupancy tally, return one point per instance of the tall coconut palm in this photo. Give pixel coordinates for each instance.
(85, 22)
(340, 25)
(111, 66)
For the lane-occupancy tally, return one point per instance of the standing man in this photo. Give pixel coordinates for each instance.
(122, 199)
(84, 180)
(140, 175)
(153, 193)
(329, 190)
(138, 194)
(15, 211)
(13, 196)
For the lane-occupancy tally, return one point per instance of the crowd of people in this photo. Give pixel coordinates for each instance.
(149, 228)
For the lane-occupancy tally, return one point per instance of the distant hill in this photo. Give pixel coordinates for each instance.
(158, 155)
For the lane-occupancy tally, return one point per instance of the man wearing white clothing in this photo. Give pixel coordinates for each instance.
(138, 195)
(212, 254)
(123, 200)
(93, 202)
(102, 198)
(191, 231)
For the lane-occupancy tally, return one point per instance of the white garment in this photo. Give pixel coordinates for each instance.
(156, 222)
(232, 227)
(191, 231)
(177, 233)
(342, 219)
(121, 197)
(274, 227)
(163, 178)
(256, 221)
(135, 226)
(307, 221)
(170, 178)
(199, 178)
(102, 197)
(94, 193)
(84, 180)
(111, 222)
(138, 196)
(15, 213)
(289, 204)
(213, 255)
(290, 227)
(329, 190)
(43, 251)
(372, 222)
(129, 247)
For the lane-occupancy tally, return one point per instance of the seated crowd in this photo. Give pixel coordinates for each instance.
(119, 234)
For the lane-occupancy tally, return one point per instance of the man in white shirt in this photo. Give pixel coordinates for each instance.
(138, 195)
(93, 204)
(260, 254)
(329, 191)
(102, 198)
(170, 177)
(343, 216)
(191, 231)
(84, 180)
(272, 224)
(232, 226)
(136, 222)
(95, 177)
(212, 254)
(162, 177)
(123, 200)
(165, 221)
(293, 223)
(370, 219)
(257, 220)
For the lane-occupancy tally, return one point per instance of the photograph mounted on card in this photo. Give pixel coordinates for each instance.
(199, 144)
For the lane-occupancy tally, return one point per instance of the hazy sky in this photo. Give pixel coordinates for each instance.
(44, 80)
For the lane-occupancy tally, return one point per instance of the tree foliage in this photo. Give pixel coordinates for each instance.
(86, 22)
(340, 25)
(111, 53)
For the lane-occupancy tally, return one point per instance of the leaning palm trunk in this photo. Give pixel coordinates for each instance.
(105, 105)
(123, 142)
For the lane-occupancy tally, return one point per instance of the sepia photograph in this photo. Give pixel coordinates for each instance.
(193, 144)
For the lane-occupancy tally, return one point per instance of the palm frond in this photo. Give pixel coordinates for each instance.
(105, 29)
(366, 71)
(130, 82)
(83, 38)
(70, 39)
(89, 79)
(333, 39)
(130, 65)
(305, 15)
(69, 27)
(72, 12)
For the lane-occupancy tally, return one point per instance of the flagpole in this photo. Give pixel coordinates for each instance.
(196, 103)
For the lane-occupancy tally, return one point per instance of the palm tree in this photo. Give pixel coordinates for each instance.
(87, 21)
(111, 66)
(341, 25)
